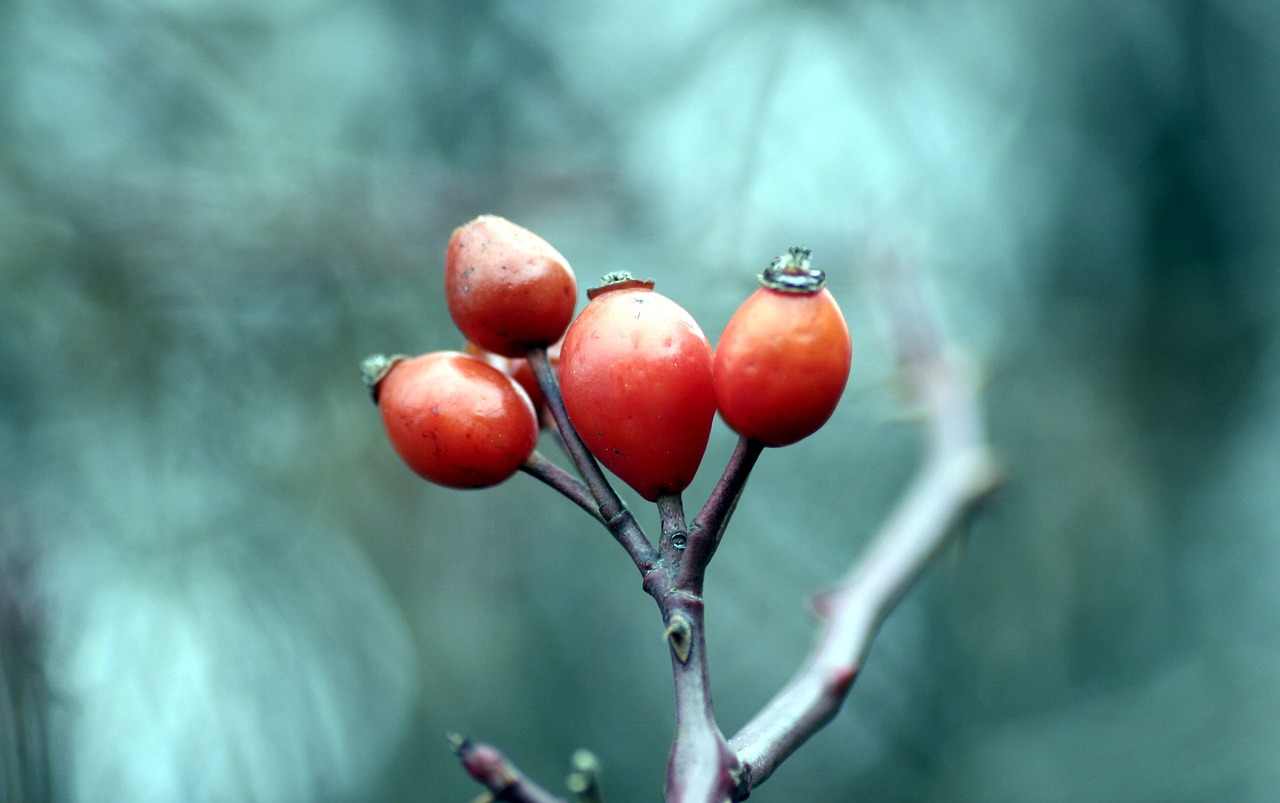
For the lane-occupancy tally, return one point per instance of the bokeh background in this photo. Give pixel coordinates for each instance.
(217, 583)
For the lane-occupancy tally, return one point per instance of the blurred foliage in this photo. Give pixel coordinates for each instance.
(217, 583)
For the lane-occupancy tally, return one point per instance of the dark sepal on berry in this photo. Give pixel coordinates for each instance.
(375, 367)
(792, 273)
(619, 280)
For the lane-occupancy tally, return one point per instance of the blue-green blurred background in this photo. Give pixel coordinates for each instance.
(217, 583)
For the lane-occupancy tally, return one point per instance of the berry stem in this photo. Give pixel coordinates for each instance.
(675, 533)
(709, 525)
(562, 481)
(622, 525)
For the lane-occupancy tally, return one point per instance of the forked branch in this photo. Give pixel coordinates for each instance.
(957, 472)
(609, 506)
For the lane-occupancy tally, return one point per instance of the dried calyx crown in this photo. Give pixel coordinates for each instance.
(619, 280)
(375, 367)
(792, 273)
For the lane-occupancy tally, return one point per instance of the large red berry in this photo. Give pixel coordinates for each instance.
(783, 360)
(508, 290)
(636, 375)
(454, 419)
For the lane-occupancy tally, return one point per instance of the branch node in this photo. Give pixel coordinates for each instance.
(840, 680)
(741, 777)
(679, 635)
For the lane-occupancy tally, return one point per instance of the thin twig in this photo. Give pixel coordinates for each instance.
(624, 527)
(490, 768)
(568, 485)
(958, 471)
(675, 533)
(713, 519)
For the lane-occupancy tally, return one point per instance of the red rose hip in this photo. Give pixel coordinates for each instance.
(454, 419)
(783, 360)
(507, 289)
(636, 376)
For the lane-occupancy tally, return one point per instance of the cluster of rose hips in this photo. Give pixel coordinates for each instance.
(640, 382)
